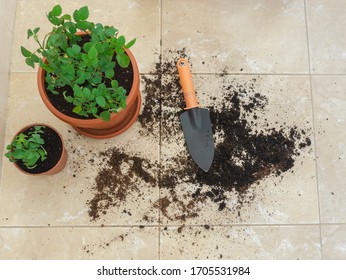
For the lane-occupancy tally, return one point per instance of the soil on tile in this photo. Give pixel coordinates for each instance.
(92, 249)
(53, 146)
(246, 151)
(121, 175)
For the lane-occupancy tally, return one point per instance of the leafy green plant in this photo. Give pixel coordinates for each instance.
(87, 67)
(28, 148)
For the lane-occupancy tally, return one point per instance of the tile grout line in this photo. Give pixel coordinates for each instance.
(313, 127)
(171, 226)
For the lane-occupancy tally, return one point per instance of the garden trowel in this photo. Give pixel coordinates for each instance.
(195, 121)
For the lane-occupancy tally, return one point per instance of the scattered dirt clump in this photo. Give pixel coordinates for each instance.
(121, 175)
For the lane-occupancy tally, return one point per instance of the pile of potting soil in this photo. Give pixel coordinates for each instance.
(245, 153)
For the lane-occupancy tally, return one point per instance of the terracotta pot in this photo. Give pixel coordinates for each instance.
(98, 128)
(59, 166)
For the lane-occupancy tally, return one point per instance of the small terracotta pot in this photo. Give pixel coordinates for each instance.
(59, 166)
(98, 128)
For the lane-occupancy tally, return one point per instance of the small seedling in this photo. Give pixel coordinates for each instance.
(28, 148)
(87, 68)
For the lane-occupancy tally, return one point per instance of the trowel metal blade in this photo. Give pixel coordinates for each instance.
(198, 134)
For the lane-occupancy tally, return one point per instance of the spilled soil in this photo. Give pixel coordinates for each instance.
(248, 149)
(122, 175)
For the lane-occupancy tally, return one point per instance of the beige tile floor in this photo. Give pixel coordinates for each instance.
(295, 50)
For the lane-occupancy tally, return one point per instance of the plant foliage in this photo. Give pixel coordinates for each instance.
(87, 68)
(28, 148)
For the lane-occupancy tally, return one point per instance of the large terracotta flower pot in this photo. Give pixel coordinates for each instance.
(61, 162)
(98, 128)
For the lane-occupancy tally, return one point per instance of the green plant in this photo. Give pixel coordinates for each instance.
(87, 67)
(27, 148)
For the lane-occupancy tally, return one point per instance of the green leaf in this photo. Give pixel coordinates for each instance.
(123, 60)
(54, 20)
(96, 79)
(37, 29)
(75, 16)
(114, 84)
(92, 53)
(47, 68)
(94, 110)
(62, 41)
(30, 155)
(119, 50)
(78, 92)
(35, 58)
(77, 109)
(80, 80)
(110, 31)
(76, 49)
(25, 52)
(37, 139)
(101, 48)
(105, 115)
(32, 162)
(109, 73)
(30, 33)
(87, 46)
(66, 17)
(38, 128)
(42, 154)
(87, 93)
(70, 52)
(82, 25)
(101, 101)
(94, 63)
(18, 154)
(69, 99)
(121, 41)
(72, 29)
(85, 58)
(56, 11)
(87, 75)
(81, 14)
(30, 62)
(110, 65)
(130, 44)
(109, 52)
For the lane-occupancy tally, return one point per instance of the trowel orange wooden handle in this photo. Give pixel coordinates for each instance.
(187, 84)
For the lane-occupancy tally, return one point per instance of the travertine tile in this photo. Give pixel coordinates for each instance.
(237, 36)
(2, 9)
(334, 242)
(79, 243)
(133, 19)
(329, 113)
(277, 217)
(22, 196)
(327, 36)
(213, 242)
(6, 43)
(2, 143)
(4, 77)
(290, 197)
(9, 13)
